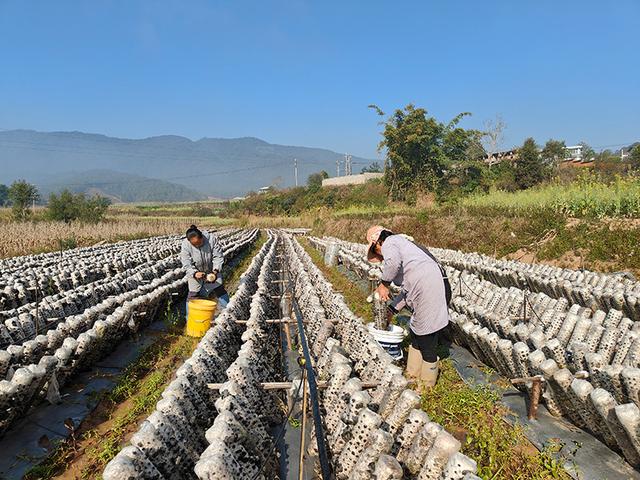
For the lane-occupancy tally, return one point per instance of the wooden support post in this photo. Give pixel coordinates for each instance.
(287, 385)
(534, 393)
(285, 321)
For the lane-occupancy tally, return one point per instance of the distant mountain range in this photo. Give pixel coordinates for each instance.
(164, 168)
(119, 187)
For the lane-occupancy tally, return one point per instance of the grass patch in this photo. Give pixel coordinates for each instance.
(587, 197)
(355, 298)
(474, 414)
(232, 273)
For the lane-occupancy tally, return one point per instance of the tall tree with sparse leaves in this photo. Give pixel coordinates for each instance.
(529, 169)
(22, 195)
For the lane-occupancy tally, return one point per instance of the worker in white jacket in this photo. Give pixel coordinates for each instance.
(425, 291)
(202, 258)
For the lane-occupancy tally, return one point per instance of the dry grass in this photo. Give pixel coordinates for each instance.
(24, 238)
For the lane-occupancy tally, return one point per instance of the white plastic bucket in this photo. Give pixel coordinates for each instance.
(390, 339)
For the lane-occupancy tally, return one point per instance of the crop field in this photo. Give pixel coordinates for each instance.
(289, 380)
(23, 238)
(585, 198)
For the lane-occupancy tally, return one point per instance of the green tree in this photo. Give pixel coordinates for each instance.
(588, 153)
(67, 207)
(553, 152)
(462, 145)
(315, 179)
(62, 207)
(475, 150)
(93, 209)
(529, 169)
(420, 149)
(634, 157)
(4, 194)
(22, 195)
(373, 168)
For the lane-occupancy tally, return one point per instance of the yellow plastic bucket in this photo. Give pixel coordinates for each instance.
(199, 317)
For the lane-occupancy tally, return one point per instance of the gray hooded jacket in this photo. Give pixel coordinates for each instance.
(207, 258)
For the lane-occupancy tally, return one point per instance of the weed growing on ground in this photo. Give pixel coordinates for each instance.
(233, 273)
(588, 197)
(474, 415)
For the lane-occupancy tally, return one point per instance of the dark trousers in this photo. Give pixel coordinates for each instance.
(427, 344)
(220, 293)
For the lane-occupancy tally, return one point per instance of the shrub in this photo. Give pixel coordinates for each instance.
(67, 207)
(22, 195)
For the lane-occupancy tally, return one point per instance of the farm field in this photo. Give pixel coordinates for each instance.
(577, 330)
(40, 235)
(319, 241)
(186, 418)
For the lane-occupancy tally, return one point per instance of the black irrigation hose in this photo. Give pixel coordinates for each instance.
(526, 297)
(470, 289)
(278, 438)
(313, 395)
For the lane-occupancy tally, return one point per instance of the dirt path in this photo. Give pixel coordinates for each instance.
(112, 424)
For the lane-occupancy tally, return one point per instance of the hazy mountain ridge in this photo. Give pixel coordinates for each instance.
(221, 167)
(119, 187)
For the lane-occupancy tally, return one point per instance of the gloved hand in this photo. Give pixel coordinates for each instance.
(211, 277)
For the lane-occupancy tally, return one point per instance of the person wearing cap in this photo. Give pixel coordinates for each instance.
(423, 290)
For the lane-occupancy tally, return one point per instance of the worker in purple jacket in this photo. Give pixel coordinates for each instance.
(424, 290)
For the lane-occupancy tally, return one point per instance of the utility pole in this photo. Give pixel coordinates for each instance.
(295, 169)
(347, 164)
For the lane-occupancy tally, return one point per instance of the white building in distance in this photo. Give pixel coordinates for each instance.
(574, 153)
(350, 179)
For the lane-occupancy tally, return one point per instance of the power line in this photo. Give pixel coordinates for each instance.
(615, 145)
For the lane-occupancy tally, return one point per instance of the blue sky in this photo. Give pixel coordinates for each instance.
(303, 72)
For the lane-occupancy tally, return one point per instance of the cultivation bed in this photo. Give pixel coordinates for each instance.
(62, 314)
(568, 327)
(216, 421)
(29, 441)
